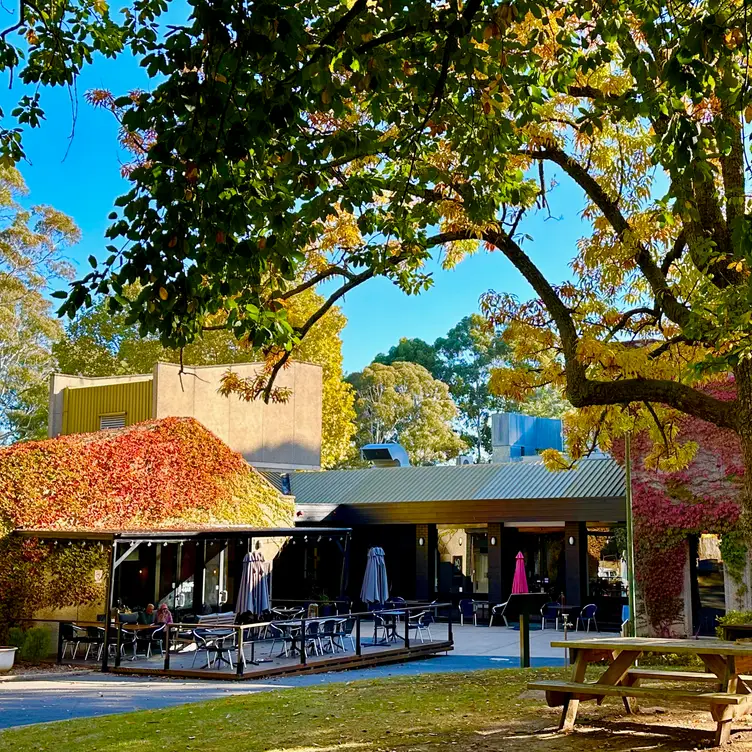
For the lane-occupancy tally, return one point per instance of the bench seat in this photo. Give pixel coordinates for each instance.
(696, 676)
(557, 693)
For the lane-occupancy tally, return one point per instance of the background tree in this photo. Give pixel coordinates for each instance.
(464, 360)
(411, 350)
(32, 244)
(99, 343)
(404, 403)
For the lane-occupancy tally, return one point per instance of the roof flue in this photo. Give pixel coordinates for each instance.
(390, 454)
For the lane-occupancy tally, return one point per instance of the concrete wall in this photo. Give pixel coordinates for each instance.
(271, 437)
(61, 381)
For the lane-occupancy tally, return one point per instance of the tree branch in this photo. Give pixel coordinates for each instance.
(674, 309)
(584, 392)
(332, 271)
(675, 253)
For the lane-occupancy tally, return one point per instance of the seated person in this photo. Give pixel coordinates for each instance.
(163, 615)
(147, 615)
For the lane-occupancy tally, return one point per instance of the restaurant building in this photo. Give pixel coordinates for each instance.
(454, 531)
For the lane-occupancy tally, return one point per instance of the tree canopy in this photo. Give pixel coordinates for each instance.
(404, 403)
(32, 248)
(321, 141)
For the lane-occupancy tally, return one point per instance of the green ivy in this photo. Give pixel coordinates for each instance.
(734, 553)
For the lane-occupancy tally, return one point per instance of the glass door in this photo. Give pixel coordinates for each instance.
(215, 576)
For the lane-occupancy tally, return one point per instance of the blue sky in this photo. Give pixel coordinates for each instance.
(86, 183)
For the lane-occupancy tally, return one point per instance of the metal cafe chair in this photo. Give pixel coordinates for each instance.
(587, 615)
(421, 623)
(498, 610)
(280, 634)
(344, 632)
(327, 632)
(468, 611)
(151, 637)
(313, 637)
(550, 611)
(71, 636)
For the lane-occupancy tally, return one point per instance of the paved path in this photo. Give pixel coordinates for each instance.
(61, 698)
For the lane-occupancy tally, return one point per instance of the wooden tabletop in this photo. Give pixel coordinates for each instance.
(658, 645)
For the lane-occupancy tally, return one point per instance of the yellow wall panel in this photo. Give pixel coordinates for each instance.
(82, 407)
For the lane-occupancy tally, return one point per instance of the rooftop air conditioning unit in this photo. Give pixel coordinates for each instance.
(465, 459)
(390, 454)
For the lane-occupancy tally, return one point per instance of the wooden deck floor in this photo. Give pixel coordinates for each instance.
(265, 659)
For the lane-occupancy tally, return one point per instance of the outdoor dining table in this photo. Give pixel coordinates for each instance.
(390, 625)
(727, 667)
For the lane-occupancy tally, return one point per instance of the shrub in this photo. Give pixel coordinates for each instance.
(16, 637)
(732, 617)
(33, 644)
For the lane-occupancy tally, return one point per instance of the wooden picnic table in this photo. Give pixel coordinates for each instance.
(727, 665)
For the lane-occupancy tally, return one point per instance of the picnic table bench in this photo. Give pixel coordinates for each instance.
(725, 663)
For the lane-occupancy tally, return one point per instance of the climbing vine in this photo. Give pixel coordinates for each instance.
(165, 473)
(670, 506)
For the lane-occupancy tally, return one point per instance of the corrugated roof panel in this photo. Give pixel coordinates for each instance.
(598, 478)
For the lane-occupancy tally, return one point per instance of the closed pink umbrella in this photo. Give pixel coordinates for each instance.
(519, 583)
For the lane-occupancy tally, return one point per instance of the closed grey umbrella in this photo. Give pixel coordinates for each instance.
(245, 595)
(375, 586)
(253, 594)
(261, 593)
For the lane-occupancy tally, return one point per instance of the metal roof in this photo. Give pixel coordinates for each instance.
(227, 532)
(278, 480)
(593, 478)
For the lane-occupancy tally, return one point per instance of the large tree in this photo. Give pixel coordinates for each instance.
(32, 247)
(404, 403)
(400, 129)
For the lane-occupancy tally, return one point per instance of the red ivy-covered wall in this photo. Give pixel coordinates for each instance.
(163, 473)
(669, 506)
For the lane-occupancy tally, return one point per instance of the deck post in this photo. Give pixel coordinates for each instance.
(167, 648)
(302, 646)
(407, 629)
(118, 644)
(524, 638)
(60, 642)
(110, 590)
(239, 666)
(450, 631)
(358, 646)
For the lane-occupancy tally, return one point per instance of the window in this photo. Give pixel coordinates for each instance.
(107, 422)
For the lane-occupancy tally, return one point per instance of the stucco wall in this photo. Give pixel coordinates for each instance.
(283, 436)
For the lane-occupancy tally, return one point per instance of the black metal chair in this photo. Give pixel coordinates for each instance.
(71, 637)
(151, 638)
(313, 637)
(327, 632)
(344, 631)
(551, 611)
(421, 623)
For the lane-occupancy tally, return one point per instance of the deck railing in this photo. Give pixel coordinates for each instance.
(221, 639)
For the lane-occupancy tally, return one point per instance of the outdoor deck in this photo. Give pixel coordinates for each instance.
(266, 657)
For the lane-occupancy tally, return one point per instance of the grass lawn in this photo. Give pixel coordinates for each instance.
(488, 710)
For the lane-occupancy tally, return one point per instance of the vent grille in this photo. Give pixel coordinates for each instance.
(107, 422)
